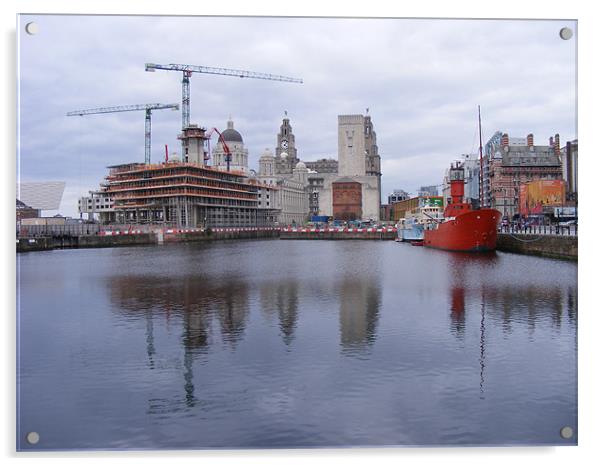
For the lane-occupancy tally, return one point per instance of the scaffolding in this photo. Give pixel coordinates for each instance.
(183, 194)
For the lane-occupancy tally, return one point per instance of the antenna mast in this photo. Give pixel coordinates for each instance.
(481, 162)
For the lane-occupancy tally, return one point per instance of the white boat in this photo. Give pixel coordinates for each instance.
(411, 227)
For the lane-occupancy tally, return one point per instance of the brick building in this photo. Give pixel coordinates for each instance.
(24, 211)
(347, 199)
(509, 162)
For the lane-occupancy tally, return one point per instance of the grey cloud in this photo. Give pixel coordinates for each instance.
(421, 79)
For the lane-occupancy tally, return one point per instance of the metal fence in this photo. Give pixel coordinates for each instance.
(79, 229)
(558, 230)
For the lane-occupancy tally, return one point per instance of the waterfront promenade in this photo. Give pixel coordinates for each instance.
(549, 241)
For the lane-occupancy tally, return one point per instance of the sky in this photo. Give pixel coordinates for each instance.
(421, 79)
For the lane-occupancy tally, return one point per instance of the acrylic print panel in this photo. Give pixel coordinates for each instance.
(206, 261)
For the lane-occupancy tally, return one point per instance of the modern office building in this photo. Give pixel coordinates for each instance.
(98, 203)
(398, 195)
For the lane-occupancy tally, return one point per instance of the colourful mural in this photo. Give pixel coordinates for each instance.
(536, 195)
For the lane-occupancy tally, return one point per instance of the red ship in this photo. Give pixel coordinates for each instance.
(463, 228)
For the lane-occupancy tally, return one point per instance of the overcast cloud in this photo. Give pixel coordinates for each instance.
(421, 80)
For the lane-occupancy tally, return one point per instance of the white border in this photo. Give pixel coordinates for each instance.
(591, 153)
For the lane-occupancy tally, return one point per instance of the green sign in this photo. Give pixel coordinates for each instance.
(432, 201)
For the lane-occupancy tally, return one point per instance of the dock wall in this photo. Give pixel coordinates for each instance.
(561, 247)
(112, 239)
(339, 235)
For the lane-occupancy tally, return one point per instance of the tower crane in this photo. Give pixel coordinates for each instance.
(187, 71)
(148, 108)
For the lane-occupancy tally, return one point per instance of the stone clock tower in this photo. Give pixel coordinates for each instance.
(286, 152)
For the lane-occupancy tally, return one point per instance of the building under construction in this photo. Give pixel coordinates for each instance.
(183, 194)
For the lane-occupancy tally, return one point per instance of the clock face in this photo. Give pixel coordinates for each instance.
(284, 144)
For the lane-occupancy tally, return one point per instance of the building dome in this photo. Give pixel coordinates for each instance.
(230, 134)
(267, 153)
(300, 166)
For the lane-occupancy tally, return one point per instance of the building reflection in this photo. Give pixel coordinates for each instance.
(501, 304)
(196, 304)
(282, 299)
(150, 339)
(520, 304)
(571, 304)
(459, 266)
(508, 300)
(360, 301)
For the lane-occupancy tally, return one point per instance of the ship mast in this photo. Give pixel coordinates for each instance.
(481, 163)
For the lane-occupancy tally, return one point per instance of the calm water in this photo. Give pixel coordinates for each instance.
(294, 344)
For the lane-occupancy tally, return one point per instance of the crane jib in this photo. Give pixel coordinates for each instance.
(129, 108)
(188, 69)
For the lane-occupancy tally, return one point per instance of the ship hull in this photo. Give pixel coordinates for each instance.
(473, 231)
(413, 233)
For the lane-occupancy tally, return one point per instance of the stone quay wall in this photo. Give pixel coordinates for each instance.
(556, 246)
(117, 238)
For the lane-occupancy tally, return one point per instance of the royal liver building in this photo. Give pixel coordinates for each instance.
(348, 188)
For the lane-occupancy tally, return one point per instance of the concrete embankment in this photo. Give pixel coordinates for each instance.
(220, 234)
(371, 234)
(561, 247)
(111, 239)
(42, 243)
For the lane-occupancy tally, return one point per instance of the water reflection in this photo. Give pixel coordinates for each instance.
(150, 340)
(518, 304)
(510, 301)
(460, 269)
(324, 344)
(482, 350)
(360, 301)
(281, 298)
(571, 306)
(193, 299)
(458, 304)
(503, 304)
(197, 303)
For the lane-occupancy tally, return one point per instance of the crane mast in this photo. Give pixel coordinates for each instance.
(148, 108)
(187, 71)
(186, 99)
